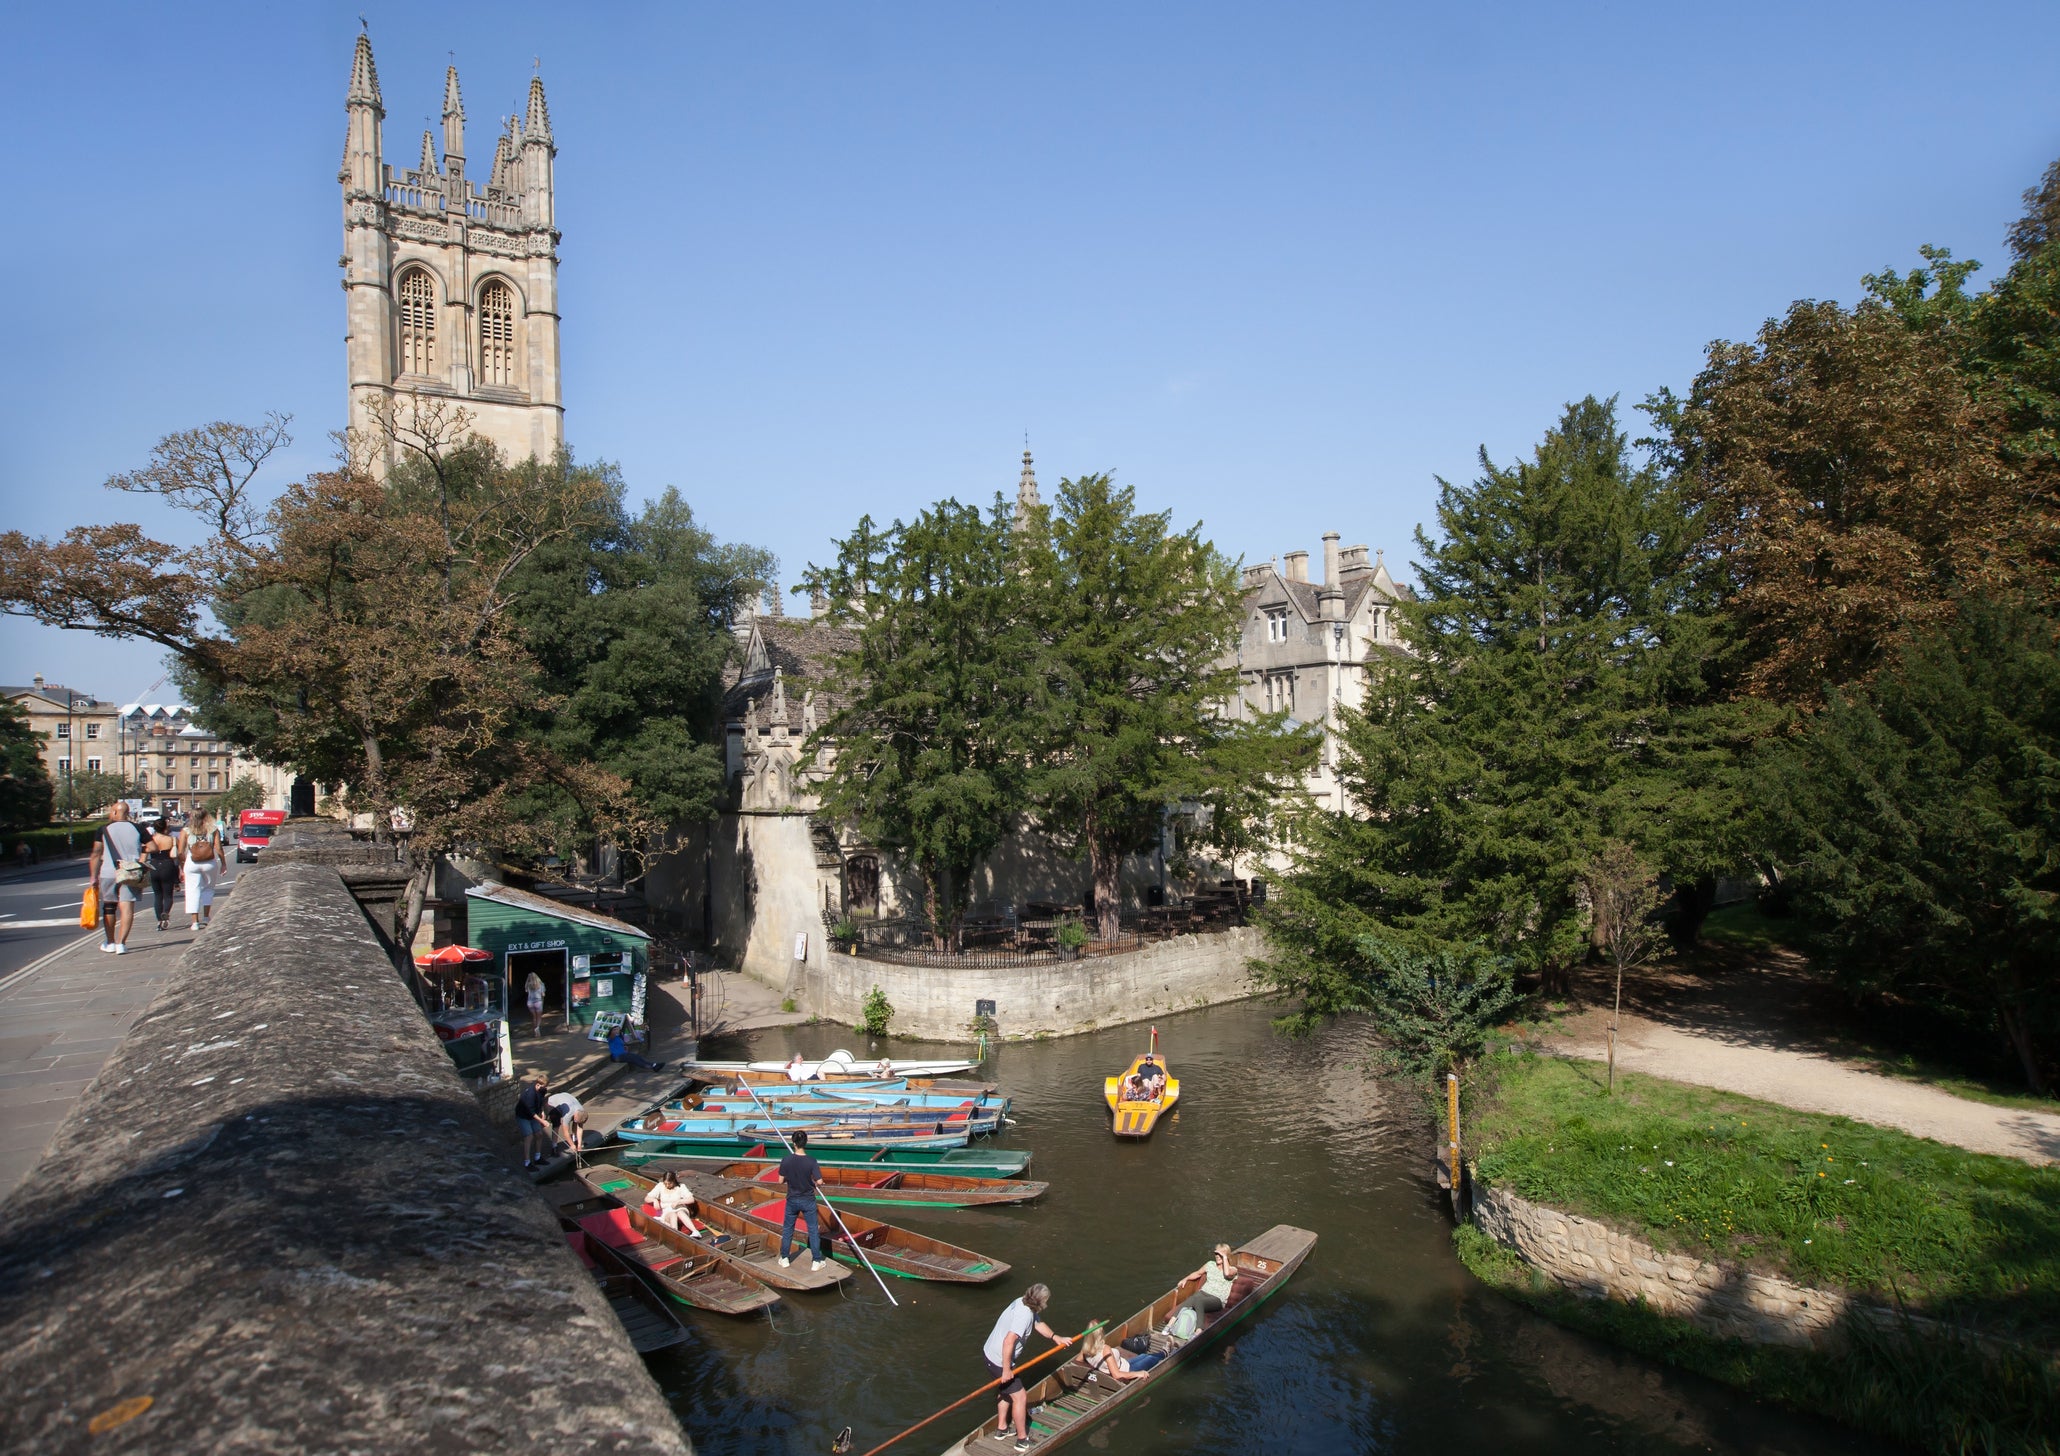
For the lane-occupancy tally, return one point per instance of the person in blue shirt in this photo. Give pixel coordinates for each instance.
(803, 1176)
(618, 1051)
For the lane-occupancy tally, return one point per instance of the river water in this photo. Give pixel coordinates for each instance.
(1383, 1342)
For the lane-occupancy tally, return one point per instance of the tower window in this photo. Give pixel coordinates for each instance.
(418, 323)
(497, 334)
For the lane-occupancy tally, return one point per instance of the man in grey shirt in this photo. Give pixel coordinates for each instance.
(119, 841)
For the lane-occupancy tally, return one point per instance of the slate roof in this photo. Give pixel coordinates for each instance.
(801, 648)
(63, 697)
(557, 909)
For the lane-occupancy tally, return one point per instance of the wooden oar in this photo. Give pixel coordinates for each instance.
(998, 1380)
(856, 1247)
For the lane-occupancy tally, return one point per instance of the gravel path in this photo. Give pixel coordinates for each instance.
(1814, 1083)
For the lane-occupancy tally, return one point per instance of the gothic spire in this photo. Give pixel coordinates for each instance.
(364, 75)
(1026, 490)
(453, 116)
(428, 153)
(537, 126)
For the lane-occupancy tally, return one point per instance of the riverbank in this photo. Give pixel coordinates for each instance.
(1777, 1198)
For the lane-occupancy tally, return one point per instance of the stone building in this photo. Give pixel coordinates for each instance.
(180, 766)
(450, 286)
(77, 730)
(1305, 645)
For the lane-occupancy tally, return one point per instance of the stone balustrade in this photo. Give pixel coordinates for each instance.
(278, 1221)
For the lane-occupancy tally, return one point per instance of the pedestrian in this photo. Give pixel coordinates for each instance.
(618, 1051)
(529, 1120)
(803, 1176)
(160, 853)
(533, 992)
(568, 1116)
(203, 845)
(116, 866)
(1001, 1354)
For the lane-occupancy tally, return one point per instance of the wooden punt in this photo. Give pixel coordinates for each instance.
(647, 1317)
(897, 1250)
(868, 1135)
(744, 1248)
(975, 1162)
(1135, 1117)
(871, 1183)
(850, 1082)
(1072, 1399)
(807, 1109)
(676, 1263)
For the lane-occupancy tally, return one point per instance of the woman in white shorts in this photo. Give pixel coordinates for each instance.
(202, 843)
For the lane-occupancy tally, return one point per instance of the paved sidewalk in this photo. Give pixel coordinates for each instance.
(1813, 1083)
(58, 1021)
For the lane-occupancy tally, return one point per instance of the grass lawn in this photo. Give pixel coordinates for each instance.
(1820, 1200)
(1742, 927)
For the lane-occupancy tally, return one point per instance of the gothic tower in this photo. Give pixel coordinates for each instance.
(451, 288)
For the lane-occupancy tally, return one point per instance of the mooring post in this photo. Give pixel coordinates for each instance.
(1452, 1140)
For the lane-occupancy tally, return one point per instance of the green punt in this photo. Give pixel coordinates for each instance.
(975, 1162)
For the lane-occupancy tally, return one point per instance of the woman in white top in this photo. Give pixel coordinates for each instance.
(533, 992)
(674, 1202)
(201, 842)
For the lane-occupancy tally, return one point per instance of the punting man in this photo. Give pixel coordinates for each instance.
(803, 1176)
(1003, 1351)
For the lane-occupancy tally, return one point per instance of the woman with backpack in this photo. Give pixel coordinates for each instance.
(203, 846)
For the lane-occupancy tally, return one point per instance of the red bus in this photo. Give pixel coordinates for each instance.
(254, 830)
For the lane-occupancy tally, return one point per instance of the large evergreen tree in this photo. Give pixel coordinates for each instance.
(1552, 701)
(1135, 622)
(25, 792)
(1921, 813)
(937, 702)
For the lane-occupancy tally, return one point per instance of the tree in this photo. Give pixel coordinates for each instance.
(938, 695)
(25, 792)
(83, 793)
(1623, 904)
(245, 793)
(1557, 637)
(1920, 818)
(1856, 481)
(357, 630)
(629, 625)
(1434, 1008)
(1255, 806)
(1135, 625)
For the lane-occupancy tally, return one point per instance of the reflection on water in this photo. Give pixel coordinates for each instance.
(1382, 1343)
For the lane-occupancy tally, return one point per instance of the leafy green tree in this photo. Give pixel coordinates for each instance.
(938, 697)
(1135, 623)
(629, 625)
(1254, 806)
(25, 792)
(1556, 639)
(83, 793)
(1920, 816)
(245, 793)
(1434, 1008)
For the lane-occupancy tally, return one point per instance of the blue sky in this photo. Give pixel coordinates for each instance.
(1276, 265)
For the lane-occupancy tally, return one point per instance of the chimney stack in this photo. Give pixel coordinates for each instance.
(1330, 558)
(1298, 566)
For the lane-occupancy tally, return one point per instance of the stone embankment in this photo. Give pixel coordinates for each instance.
(278, 1221)
(1588, 1257)
(1050, 998)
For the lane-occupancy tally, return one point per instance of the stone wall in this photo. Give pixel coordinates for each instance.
(278, 1221)
(1050, 999)
(1592, 1259)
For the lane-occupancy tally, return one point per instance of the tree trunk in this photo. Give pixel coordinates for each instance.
(1106, 869)
(411, 913)
(2019, 1031)
(1693, 901)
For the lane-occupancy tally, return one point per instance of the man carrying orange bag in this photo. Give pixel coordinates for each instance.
(89, 908)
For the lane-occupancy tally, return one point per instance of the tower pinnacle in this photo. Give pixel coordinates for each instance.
(537, 125)
(453, 117)
(364, 75)
(1026, 490)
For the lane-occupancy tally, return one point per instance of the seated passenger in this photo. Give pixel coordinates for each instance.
(1100, 1356)
(1152, 1078)
(1217, 1276)
(674, 1204)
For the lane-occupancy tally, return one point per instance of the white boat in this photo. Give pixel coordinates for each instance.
(839, 1063)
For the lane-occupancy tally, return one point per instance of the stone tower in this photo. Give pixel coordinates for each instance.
(1026, 490)
(451, 288)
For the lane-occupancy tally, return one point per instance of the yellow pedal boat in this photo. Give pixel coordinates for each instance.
(1137, 1097)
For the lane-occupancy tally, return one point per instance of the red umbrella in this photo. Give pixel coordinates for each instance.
(452, 955)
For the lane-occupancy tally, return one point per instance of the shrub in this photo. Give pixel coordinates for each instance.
(878, 1012)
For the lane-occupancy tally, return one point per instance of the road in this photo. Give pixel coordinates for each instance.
(41, 913)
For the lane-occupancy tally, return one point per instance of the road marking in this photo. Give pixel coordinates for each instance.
(38, 924)
(42, 961)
